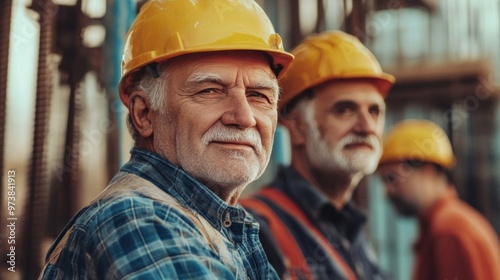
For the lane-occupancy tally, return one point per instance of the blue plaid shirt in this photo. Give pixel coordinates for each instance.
(126, 234)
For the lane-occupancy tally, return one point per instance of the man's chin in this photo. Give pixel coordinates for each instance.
(230, 178)
(403, 209)
(366, 164)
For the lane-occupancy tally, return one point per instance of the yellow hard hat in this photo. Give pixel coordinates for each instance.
(333, 55)
(417, 140)
(164, 29)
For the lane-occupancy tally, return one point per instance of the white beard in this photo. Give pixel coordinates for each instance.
(322, 156)
(231, 168)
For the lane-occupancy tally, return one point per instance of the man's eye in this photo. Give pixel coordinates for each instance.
(209, 90)
(344, 109)
(389, 179)
(211, 93)
(256, 94)
(375, 111)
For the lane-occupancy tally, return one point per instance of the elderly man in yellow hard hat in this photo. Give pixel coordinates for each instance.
(455, 241)
(334, 110)
(199, 79)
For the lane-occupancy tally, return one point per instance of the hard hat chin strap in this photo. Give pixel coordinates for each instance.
(152, 68)
(277, 69)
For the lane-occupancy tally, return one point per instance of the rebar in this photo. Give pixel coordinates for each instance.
(37, 199)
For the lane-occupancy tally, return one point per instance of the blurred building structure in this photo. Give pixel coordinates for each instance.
(64, 133)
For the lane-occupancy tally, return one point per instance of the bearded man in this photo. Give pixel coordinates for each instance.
(333, 107)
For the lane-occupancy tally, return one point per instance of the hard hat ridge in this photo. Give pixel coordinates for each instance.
(420, 140)
(165, 29)
(332, 55)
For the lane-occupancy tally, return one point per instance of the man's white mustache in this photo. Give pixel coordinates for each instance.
(224, 134)
(369, 140)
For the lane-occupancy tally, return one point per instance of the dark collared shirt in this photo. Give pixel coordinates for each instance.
(342, 229)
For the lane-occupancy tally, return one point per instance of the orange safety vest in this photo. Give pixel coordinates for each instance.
(295, 260)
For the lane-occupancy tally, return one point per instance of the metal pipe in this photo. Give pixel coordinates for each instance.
(117, 21)
(38, 180)
(321, 19)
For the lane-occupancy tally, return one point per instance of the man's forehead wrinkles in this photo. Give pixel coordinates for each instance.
(201, 77)
(252, 80)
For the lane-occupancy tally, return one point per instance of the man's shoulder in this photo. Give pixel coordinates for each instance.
(129, 207)
(460, 220)
(128, 225)
(129, 194)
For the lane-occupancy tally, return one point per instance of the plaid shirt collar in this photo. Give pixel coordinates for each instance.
(185, 188)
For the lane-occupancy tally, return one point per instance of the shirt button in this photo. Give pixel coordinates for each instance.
(227, 221)
(359, 269)
(345, 244)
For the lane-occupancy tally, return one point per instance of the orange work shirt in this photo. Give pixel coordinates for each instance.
(456, 243)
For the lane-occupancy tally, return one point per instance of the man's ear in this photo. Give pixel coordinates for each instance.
(296, 127)
(140, 113)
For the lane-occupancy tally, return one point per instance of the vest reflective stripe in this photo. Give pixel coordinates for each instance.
(295, 260)
(287, 205)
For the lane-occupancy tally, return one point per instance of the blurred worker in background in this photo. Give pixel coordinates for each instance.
(199, 79)
(333, 107)
(455, 241)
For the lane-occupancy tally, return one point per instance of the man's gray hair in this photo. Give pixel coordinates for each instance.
(155, 89)
(306, 109)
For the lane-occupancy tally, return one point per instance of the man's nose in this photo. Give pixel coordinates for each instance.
(366, 123)
(239, 111)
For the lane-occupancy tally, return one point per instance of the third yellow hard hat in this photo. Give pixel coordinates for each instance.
(332, 55)
(164, 29)
(421, 140)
